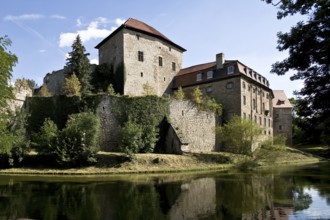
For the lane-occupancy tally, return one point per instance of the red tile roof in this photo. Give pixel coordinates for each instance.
(196, 68)
(142, 27)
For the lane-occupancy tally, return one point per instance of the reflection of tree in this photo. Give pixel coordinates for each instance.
(301, 200)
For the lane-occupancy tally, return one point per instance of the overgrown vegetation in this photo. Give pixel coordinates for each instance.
(238, 135)
(72, 86)
(75, 145)
(140, 122)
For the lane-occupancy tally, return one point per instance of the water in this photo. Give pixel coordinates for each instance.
(290, 193)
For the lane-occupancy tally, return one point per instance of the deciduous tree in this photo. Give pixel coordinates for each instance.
(308, 45)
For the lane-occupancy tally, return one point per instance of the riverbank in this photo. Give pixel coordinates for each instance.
(117, 163)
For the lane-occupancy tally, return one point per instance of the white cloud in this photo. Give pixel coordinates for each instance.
(60, 17)
(23, 17)
(96, 29)
(94, 61)
(42, 51)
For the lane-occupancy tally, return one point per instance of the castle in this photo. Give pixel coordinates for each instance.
(148, 57)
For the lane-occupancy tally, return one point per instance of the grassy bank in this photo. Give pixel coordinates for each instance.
(117, 163)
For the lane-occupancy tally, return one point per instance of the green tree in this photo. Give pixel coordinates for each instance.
(238, 135)
(308, 47)
(72, 86)
(7, 62)
(43, 92)
(179, 94)
(78, 63)
(197, 96)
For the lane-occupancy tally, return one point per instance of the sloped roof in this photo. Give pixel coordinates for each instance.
(196, 68)
(141, 27)
(281, 100)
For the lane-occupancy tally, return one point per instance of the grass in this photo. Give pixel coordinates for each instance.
(117, 163)
(319, 150)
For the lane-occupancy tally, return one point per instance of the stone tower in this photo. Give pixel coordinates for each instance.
(142, 57)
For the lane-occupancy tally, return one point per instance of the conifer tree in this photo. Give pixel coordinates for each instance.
(78, 63)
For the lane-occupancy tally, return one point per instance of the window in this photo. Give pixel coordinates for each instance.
(254, 103)
(268, 122)
(209, 74)
(160, 61)
(260, 122)
(280, 127)
(173, 66)
(164, 79)
(209, 89)
(229, 85)
(263, 106)
(141, 74)
(243, 85)
(170, 48)
(198, 76)
(244, 100)
(255, 119)
(230, 69)
(265, 121)
(138, 37)
(140, 56)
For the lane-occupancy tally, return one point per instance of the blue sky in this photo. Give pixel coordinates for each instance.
(42, 31)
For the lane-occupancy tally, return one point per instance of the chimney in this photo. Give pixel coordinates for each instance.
(220, 58)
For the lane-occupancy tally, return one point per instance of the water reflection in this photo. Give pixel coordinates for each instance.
(284, 194)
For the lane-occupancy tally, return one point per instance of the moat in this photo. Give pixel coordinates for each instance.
(301, 192)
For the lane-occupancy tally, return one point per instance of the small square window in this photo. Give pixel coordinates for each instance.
(229, 85)
(209, 89)
(173, 66)
(140, 56)
(230, 69)
(209, 74)
(198, 76)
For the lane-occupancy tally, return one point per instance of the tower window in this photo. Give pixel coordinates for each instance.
(160, 61)
(140, 56)
(173, 66)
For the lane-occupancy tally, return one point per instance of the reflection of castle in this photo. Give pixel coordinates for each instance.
(147, 57)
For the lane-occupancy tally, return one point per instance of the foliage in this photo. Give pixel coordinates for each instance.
(76, 144)
(275, 143)
(13, 139)
(45, 140)
(148, 89)
(210, 104)
(7, 62)
(26, 84)
(238, 135)
(43, 92)
(78, 63)
(197, 96)
(179, 94)
(72, 86)
(111, 91)
(102, 76)
(146, 113)
(308, 46)
(131, 138)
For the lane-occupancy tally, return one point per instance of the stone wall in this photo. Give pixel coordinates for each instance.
(55, 81)
(195, 128)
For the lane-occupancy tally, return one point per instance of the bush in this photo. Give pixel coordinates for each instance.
(131, 138)
(14, 144)
(75, 145)
(238, 135)
(72, 86)
(45, 140)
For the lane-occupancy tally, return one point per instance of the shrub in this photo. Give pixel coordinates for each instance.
(72, 86)
(131, 138)
(45, 140)
(14, 144)
(210, 104)
(43, 92)
(179, 94)
(75, 145)
(238, 135)
(78, 141)
(197, 96)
